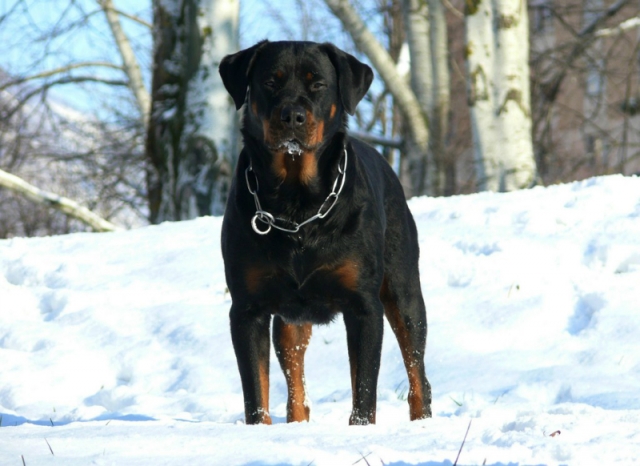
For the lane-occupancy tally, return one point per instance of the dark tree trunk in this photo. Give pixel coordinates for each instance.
(191, 136)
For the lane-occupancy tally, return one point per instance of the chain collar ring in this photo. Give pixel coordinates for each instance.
(271, 221)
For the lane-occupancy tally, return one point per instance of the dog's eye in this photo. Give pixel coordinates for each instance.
(270, 84)
(318, 86)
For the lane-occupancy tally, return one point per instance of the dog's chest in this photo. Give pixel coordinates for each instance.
(310, 264)
(310, 284)
(304, 260)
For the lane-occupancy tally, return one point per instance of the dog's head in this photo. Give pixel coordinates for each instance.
(297, 93)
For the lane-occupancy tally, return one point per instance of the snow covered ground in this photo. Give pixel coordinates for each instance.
(115, 348)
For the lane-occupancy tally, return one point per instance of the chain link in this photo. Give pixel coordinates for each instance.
(270, 221)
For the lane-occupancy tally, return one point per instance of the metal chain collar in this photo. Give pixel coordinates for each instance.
(269, 220)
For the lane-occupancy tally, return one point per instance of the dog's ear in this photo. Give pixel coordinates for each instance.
(354, 77)
(234, 71)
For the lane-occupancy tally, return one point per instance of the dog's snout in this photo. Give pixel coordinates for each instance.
(293, 116)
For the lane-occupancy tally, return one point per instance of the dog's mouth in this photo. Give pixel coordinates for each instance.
(292, 147)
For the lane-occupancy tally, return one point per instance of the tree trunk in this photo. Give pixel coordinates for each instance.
(443, 175)
(497, 51)
(427, 38)
(421, 166)
(192, 135)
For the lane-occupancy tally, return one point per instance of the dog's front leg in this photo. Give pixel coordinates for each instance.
(250, 336)
(364, 341)
(290, 342)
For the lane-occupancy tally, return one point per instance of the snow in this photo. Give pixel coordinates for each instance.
(115, 347)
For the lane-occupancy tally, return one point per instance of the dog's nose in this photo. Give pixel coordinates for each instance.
(293, 115)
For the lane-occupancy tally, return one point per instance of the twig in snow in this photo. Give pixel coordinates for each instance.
(50, 449)
(51, 421)
(557, 432)
(363, 457)
(23, 462)
(463, 440)
(498, 397)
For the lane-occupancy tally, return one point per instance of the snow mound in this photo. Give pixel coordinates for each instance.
(532, 300)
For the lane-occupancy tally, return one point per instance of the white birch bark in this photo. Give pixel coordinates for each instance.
(499, 97)
(422, 166)
(430, 80)
(416, 17)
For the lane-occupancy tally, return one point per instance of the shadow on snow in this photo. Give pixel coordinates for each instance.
(9, 420)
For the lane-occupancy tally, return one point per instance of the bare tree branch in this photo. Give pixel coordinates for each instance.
(134, 18)
(378, 105)
(378, 140)
(457, 13)
(22, 100)
(620, 28)
(62, 69)
(597, 21)
(129, 61)
(585, 36)
(63, 204)
(11, 11)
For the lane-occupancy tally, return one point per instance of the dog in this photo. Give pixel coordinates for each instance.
(316, 224)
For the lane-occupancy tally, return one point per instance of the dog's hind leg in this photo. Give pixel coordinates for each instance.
(407, 317)
(290, 342)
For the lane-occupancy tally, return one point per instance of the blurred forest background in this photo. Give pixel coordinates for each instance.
(117, 104)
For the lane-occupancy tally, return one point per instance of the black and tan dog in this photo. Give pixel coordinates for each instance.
(316, 224)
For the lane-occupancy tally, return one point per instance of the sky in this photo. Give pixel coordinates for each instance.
(24, 37)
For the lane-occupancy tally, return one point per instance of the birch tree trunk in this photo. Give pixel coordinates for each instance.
(192, 135)
(421, 165)
(427, 39)
(497, 47)
(444, 176)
